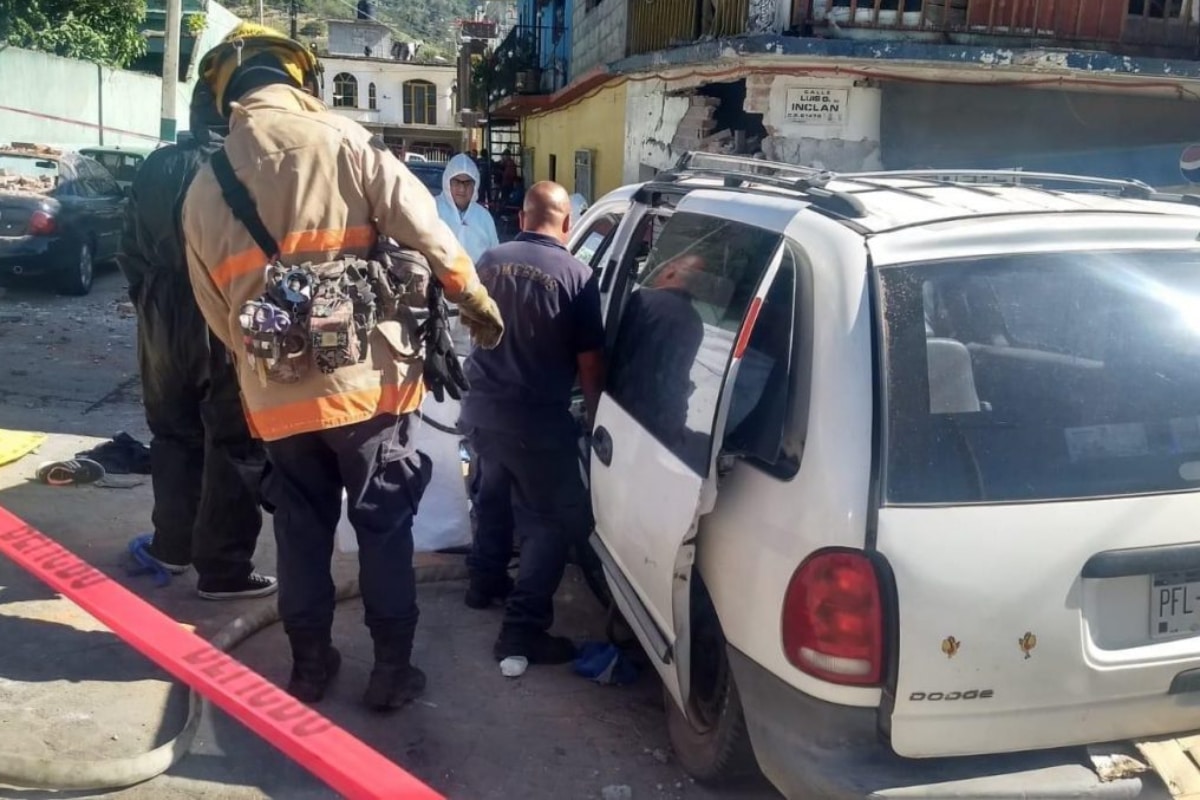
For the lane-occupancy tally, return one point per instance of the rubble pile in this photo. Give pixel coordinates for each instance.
(25, 183)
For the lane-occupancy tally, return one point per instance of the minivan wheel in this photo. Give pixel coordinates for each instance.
(76, 271)
(711, 741)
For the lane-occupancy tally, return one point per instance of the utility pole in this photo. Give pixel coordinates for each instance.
(294, 11)
(260, 12)
(170, 76)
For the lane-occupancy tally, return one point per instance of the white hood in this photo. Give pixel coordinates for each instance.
(461, 164)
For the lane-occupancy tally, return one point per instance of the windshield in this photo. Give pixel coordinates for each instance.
(1042, 377)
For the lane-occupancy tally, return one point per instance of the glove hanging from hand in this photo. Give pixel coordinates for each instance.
(443, 374)
(478, 311)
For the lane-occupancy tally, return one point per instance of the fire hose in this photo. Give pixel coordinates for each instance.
(31, 772)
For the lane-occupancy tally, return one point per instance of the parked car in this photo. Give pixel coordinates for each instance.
(122, 162)
(430, 174)
(60, 214)
(895, 475)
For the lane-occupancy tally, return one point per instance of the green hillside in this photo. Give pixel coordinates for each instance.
(430, 21)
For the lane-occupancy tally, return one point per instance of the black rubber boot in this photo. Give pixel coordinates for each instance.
(535, 645)
(394, 682)
(314, 664)
(484, 591)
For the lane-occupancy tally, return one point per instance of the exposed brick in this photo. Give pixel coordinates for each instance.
(699, 100)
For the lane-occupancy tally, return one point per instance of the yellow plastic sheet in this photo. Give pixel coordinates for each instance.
(15, 444)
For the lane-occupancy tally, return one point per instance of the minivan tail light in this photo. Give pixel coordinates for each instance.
(833, 618)
(42, 223)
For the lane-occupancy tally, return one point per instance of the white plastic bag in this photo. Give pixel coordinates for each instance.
(444, 518)
(347, 539)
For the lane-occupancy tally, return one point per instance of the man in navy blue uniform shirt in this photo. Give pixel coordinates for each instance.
(517, 417)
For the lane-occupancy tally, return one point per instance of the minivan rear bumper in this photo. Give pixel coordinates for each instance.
(809, 748)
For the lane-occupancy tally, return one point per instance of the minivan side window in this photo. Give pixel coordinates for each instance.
(763, 391)
(678, 329)
(594, 245)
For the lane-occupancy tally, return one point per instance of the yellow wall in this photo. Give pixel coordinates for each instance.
(597, 124)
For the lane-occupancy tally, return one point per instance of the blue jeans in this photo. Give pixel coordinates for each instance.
(533, 493)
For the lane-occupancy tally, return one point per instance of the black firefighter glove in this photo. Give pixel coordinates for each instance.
(443, 373)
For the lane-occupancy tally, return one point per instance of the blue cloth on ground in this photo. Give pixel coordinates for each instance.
(604, 663)
(146, 564)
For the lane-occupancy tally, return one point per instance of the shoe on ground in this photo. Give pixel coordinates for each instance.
(313, 669)
(393, 686)
(484, 592)
(254, 585)
(536, 646)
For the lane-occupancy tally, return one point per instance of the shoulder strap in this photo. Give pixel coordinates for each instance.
(242, 204)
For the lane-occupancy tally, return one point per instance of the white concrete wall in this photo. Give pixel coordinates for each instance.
(71, 103)
(84, 98)
(389, 78)
(828, 123)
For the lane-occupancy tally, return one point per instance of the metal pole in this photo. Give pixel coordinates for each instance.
(260, 12)
(293, 11)
(170, 77)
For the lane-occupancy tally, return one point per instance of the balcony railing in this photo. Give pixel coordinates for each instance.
(532, 59)
(659, 24)
(1137, 25)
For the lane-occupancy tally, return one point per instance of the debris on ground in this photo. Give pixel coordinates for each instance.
(514, 666)
(615, 792)
(123, 455)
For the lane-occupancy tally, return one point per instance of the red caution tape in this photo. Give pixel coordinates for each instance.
(343, 762)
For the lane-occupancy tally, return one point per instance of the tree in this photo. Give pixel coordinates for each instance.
(103, 31)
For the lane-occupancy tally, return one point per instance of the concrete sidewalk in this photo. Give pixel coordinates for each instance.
(70, 689)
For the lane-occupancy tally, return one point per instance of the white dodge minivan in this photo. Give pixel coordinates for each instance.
(893, 472)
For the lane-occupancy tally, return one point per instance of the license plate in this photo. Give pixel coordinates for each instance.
(1174, 604)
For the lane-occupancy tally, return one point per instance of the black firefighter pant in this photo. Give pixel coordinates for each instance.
(205, 466)
(532, 490)
(384, 477)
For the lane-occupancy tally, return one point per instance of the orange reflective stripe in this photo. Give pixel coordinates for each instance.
(332, 411)
(330, 240)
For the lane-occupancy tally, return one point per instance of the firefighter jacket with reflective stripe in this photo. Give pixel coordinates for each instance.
(323, 189)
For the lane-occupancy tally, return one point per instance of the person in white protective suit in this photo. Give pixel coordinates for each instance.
(471, 223)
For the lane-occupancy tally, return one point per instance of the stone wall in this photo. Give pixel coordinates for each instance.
(598, 34)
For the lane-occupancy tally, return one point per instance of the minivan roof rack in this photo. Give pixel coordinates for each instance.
(735, 171)
(1009, 177)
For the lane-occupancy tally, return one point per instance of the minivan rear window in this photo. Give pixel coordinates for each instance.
(1042, 377)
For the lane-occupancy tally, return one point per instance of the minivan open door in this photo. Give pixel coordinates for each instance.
(679, 325)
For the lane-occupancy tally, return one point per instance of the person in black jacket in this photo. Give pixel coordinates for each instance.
(205, 465)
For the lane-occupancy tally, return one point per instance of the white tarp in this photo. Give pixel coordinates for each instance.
(444, 518)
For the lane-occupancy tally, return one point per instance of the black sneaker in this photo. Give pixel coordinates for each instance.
(484, 592)
(254, 585)
(535, 645)
(393, 686)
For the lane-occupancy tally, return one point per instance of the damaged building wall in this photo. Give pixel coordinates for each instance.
(820, 122)
(652, 122)
(827, 123)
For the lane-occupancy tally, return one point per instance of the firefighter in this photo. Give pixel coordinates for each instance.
(204, 463)
(321, 187)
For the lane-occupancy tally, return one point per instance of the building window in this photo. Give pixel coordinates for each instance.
(420, 103)
(345, 90)
(371, 101)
